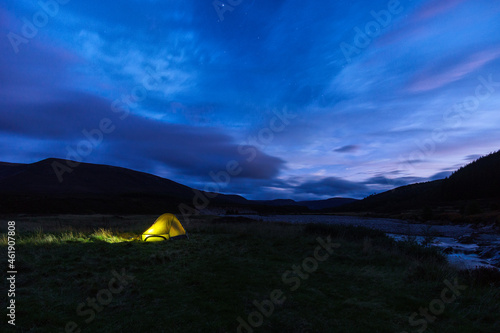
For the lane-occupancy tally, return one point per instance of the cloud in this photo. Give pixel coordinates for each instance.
(402, 181)
(443, 74)
(332, 186)
(220, 81)
(32, 74)
(136, 141)
(347, 149)
(416, 25)
(441, 175)
(433, 9)
(393, 182)
(470, 158)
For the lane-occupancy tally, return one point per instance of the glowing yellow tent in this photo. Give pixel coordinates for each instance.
(165, 227)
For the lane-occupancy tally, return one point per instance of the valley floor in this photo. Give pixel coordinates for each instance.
(237, 275)
(467, 246)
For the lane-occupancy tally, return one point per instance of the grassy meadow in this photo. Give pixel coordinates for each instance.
(84, 273)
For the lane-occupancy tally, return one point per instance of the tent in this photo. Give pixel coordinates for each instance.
(167, 226)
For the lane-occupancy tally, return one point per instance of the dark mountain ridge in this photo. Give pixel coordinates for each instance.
(479, 179)
(84, 179)
(476, 181)
(311, 204)
(53, 186)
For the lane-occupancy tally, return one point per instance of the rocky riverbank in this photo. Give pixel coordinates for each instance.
(466, 246)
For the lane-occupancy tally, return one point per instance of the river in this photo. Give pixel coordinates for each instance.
(464, 246)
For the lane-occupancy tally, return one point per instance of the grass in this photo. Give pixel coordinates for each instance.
(368, 284)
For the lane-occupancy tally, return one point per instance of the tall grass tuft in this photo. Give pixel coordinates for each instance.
(106, 235)
(39, 237)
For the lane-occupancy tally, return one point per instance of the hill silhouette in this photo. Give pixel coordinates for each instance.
(311, 204)
(86, 178)
(478, 180)
(96, 188)
(92, 188)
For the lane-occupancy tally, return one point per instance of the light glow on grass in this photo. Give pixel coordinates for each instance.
(39, 237)
(212, 278)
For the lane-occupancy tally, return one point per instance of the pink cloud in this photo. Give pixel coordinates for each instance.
(434, 8)
(433, 78)
(414, 27)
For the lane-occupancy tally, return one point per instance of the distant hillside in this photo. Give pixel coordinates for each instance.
(477, 180)
(311, 204)
(327, 203)
(85, 179)
(92, 188)
(9, 169)
(404, 197)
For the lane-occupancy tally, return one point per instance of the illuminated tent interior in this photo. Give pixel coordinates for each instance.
(166, 227)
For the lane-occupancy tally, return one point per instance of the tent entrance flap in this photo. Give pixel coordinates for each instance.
(165, 227)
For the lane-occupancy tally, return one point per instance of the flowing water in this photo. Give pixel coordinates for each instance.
(464, 246)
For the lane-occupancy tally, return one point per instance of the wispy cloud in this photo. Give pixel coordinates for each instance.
(442, 74)
(220, 82)
(347, 149)
(416, 26)
(332, 186)
(432, 9)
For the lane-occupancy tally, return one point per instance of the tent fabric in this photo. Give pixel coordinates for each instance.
(165, 227)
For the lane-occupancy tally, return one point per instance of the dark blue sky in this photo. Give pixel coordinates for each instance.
(299, 99)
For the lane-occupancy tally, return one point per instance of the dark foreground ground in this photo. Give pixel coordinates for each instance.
(466, 246)
(236, 275)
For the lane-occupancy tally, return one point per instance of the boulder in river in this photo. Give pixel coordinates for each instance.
(468, 238)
